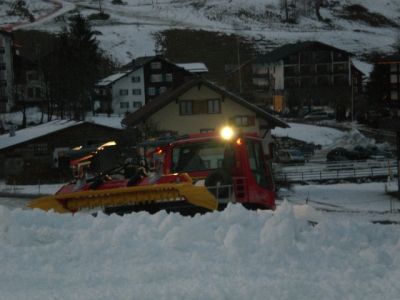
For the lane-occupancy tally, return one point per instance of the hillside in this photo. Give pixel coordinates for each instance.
(141, 27)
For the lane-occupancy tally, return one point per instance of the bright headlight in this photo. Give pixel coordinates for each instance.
(227, 133)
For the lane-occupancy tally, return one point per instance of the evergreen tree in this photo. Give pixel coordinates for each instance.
(75, 69)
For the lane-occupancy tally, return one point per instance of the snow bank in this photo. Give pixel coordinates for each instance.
(309, 133)
(235, 254)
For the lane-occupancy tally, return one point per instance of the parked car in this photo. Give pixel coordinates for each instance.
(290, 156)
(362, 152)
(318, 115)
(341, 154)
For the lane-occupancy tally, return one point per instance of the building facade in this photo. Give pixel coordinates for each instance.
(138, 83)
(6, 71)
(306, 74)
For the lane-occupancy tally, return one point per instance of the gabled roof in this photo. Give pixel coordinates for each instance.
(140, 62)
(194, 67)
(158, 103)
(112, 78)
(34, 132)
(284, 51)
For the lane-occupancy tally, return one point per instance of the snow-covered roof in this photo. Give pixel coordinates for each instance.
(34, 132)
(194, 67)
(112, 78)
(363, 66)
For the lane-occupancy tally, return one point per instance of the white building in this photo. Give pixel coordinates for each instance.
(142, 80)
(125, 91)
(6, 71)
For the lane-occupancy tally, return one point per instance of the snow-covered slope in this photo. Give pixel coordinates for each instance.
(129, 31)
(236, 254)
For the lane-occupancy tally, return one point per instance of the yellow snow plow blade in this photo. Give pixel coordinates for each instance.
(161, 194)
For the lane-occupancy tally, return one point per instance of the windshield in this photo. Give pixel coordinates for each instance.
(257, 164)
(197, 157)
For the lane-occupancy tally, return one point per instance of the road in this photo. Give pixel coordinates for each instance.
(60, 8)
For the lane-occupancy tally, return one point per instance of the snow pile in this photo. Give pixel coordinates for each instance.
(310, 133)
(235, 254)
(350, 139)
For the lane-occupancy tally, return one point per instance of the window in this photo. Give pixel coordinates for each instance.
(2, 50)
(155, 65)
(137, 104)
(168, 77)
(30, 92)
(257, 164)
(151, 91)
(136, 92)
(32, 76)
(186, 107)
(394, 78)
(394, 68)
(156, 78)
(40, 149)
(213, 106)
(2, 66)
(394, 95)
(123, 92)
(198, 156)
(124, 104)
(243, 121)
(340, 68)
(163, 89)
(135, 78)
(38, 92)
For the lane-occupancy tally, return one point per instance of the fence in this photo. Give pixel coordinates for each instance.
(336, 171)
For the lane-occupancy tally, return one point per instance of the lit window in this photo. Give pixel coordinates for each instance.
(213, 106)
(186, 107)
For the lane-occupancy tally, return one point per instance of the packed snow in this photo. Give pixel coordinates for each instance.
(318, 135)
(234, 254)
(339, 241)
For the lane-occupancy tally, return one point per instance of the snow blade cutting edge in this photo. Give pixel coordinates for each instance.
(160, 195)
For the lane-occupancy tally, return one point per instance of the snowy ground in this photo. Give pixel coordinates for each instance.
(234, 254)
(129, 31)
